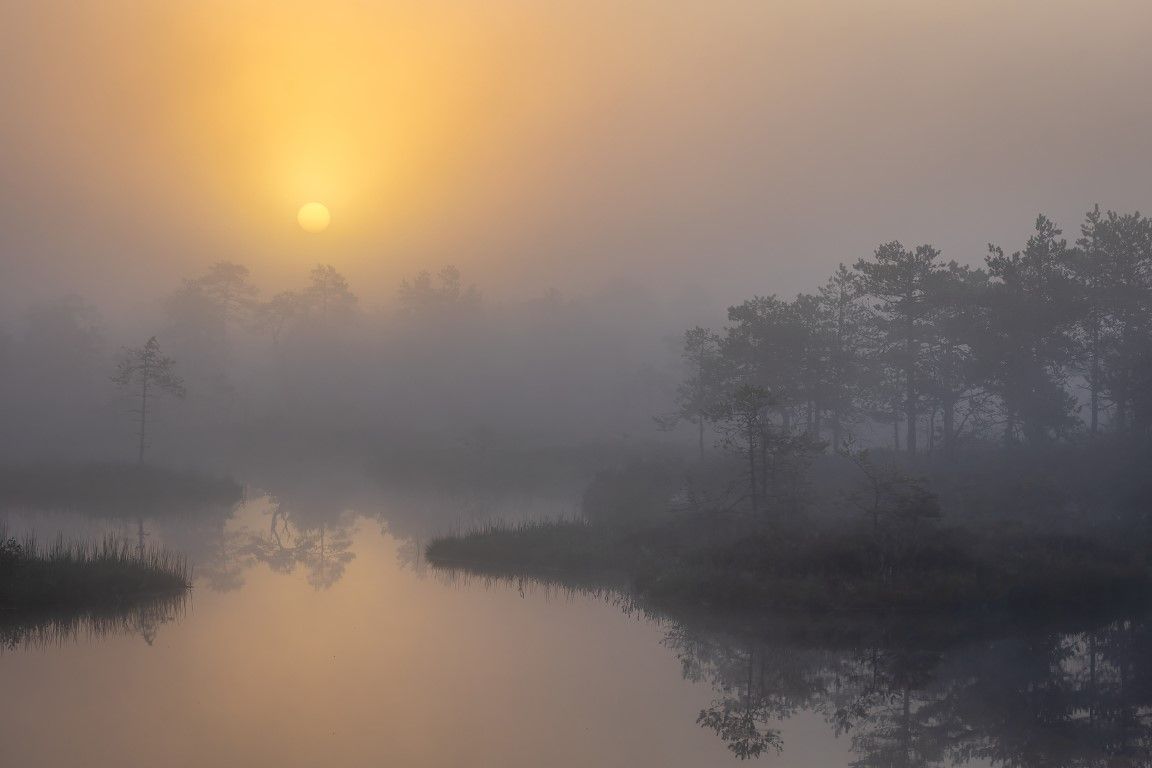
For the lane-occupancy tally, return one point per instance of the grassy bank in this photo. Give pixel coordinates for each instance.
(79, 575)
(732, 563)
(572, 548)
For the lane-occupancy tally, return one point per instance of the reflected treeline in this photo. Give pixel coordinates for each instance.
(286, 529)
(1066, 691)
(37, 629)
(283, 539)
(1033, 696)
(304, 516)
(222, 530)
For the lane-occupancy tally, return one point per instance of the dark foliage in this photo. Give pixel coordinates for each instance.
(83, 575)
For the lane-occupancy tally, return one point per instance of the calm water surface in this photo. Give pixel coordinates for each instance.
(323, 640)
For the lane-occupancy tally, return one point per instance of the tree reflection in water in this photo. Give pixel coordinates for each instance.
(322, 544)
(911, 692)
(1031, 696)
(225, 559)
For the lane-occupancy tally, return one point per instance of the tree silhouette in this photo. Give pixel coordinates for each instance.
(145, 372)
(915, 693)
(1113, 270)
(229, 286)
(742, 418)
(843, 318)
(899, 282)
(328, 298)
(697, 394)
(1028, 343)
(325, 304)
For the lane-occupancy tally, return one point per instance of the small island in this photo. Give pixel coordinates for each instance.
(1001, 534)
(60, 575)
(82, 575)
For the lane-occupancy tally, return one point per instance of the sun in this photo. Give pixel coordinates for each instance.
(313, 217)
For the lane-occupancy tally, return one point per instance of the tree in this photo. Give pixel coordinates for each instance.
(229, 287)
(197, 332)
(742, 417)
(328, 297)
(896, 505)
(785, 459)
(422, 296)
(764, 347)
(811, 352)
(898, 280)
(743, 717)
(844, 319)
(1091, 279)
(325, 304)
(444, 299)
(329, 555)
(282, 310)
(697, 394)
(145, 371)
(955, 293)
(200, 313)
(1027, 344)
(1112, 268)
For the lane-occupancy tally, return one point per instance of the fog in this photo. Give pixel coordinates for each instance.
(697, 150)
(576, 383)
(653, 165)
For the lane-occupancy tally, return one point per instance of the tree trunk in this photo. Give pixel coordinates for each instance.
(910, 394)
(323, 555)
(913, 421)
(1092, 687)
(949, 427)
(906, 730)
(143, 414)
(700, 419)
(931, 431)
(1094, 377)
(752, 472)
(764, 465)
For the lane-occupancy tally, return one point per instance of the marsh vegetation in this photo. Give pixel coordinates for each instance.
(575, 384)
(36, 576)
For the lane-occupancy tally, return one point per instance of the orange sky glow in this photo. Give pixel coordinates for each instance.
(553, 142)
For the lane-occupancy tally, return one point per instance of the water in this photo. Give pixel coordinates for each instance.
(323, 640)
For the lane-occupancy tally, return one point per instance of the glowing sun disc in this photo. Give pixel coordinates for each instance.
(313, 217)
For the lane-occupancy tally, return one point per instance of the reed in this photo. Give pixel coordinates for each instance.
(572, 546)
(63, 573)
(742, 564)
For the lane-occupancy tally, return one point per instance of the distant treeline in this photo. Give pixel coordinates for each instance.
(1041, 345)
(902, 348)
(318, 366)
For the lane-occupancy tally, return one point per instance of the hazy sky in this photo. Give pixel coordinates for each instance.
(746, 145)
